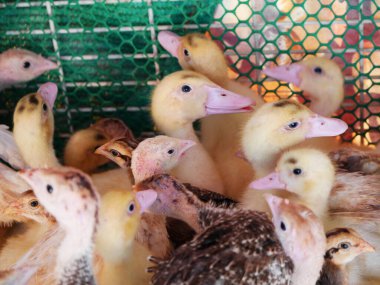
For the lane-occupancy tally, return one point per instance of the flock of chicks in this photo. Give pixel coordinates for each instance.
(195, 206)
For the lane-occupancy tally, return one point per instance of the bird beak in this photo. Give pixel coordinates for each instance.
(47, 65)
(101, 150)
(366, 247)
(49, 92)
(325, 127)
(290, 73)
(222, 101)
(271, 181)
(146, 199)
(273, 203)
(186, 144)
(170, 41)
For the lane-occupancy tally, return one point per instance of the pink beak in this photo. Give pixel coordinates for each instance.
(170, 41)
(47, 65)
(186, 144)
(289, 73)
(271, 181)
(146, 199)
(49, 92)
(325, 127)
(222, 101)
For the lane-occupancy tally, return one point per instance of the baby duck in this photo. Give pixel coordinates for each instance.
(220, 134)
(343, 246)
(321, 78)
(279, 125)
(34, 125)
(21, 65)
(302, 237)
(79, 150)
(119, 219)
(71, 198)
(308, 173)
(180, 99)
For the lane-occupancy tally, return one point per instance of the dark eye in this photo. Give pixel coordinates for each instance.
(293, 125)
(34, 203)
(171, 151)
(318, 70)
(44, 107)
(297, 171)
(131, 208)
(115, 153)
(283, 227)
(186, 88)
(26, 64)
(49, 188)
(186, 52)
(345, 245)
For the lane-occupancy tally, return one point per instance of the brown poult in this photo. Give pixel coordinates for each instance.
(343, 245)
(233, 246)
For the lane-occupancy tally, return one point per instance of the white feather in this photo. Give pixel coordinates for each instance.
(9, 151)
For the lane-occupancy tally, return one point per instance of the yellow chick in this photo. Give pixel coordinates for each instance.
(220, 134)
(180, 99)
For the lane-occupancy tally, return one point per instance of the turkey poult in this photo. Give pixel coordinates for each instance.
(220, 134)
(182, 98)
(343, 246)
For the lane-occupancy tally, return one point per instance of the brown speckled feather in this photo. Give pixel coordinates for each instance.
(354, 160)
(240, 247)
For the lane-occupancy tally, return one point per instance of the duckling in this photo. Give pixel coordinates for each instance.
(279, 125)
(308, 173)
(71, 198)
(79, 150)
(34, 123)
(180, 99)
(21, 65)
(220, 134)
(302, 237)
(233, 246)
(343, 246)
(321, 78)
(119, 219)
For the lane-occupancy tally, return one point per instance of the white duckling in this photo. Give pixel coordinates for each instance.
(220, 134)
(308, 173)
(180, 99)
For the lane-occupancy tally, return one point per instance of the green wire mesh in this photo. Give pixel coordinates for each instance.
(110, 58)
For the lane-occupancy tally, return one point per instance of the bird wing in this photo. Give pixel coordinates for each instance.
(8, 149)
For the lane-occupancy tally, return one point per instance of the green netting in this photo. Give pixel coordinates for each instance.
(110, 58)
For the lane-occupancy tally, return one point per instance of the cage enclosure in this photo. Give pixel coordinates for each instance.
(110, 59)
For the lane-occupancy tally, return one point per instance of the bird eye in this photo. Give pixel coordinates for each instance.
(297, 171)
(344, 245)
(26, 64)
(34, 203)
(131, 208)
(293, 125)
(186, 52)
(115, 153)
(44, 107)
(186, 88)
(318, 70)
(283, 227)
(49, 188)
(171, 151)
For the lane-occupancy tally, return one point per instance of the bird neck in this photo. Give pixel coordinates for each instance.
(182, 131)
(307, 271)
(326, 102)
(264, 162)
(74, 260)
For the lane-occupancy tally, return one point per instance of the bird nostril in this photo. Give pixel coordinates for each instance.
(223, 95)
